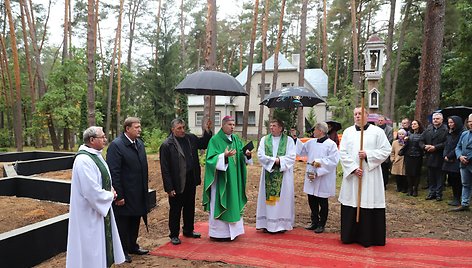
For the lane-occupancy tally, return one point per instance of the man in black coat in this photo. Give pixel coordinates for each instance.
(432, 141)
(126, 158)
(180, 168)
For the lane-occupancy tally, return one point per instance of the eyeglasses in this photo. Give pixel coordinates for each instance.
(101, 137)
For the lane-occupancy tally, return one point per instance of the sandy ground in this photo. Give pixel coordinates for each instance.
(406, 216)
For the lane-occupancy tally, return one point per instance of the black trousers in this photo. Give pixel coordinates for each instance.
(386, 171)
(183, 202)
(435, 181)
(319, 210)
(128, 228)
(456, 184)
(369, 231)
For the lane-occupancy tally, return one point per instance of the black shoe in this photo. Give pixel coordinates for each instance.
(460, 208)
(175, 240)
(425, 187)
(430, 197)
(438, 198)
(319, 229)
(127, 258)
(193, 235)
(139, 251)
(311, 227)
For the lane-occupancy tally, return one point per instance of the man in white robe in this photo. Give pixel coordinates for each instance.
(371, 228)
(276, 201)
(320, 177)
(90, 204)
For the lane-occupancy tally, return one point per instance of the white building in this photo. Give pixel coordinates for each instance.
(315, 79)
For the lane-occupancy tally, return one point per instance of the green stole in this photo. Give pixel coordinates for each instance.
(273, 180)
(230, 198)
(106, 184)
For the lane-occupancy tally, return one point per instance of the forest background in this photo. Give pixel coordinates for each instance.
(50, 93)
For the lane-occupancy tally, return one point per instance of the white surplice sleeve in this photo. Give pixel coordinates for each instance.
(89, 179)
(348, 154)
(288, 160)
(266, 161)
(328, 161)
(378, 152)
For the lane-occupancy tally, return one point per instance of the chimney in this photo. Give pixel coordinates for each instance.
(296, 61)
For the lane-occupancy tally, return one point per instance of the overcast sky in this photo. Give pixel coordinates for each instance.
(225, 8)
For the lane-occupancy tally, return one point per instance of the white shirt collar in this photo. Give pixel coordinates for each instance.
(130, 140)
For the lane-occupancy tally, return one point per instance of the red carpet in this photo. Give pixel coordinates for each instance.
(300, 247)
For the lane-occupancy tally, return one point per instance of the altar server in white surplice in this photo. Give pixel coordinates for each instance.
(276, 201)
(320, 177)
(93, 240)
(371, 228)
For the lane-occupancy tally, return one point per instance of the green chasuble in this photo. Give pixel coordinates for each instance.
(230, 198)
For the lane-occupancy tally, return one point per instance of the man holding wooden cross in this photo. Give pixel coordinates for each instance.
(363, 149)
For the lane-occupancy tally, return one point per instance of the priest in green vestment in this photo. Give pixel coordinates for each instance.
(224, 194)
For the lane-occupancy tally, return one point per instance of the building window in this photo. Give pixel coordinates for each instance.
(251, 118)
(287, 84)
(199, 119)
(266, 91)
(217, 119)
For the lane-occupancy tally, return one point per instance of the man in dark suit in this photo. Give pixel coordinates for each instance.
(432, 141)
(127, 161)
(180, 167)
(381, 123)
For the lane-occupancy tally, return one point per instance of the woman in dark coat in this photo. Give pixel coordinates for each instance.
(413, 157)
(451, 163)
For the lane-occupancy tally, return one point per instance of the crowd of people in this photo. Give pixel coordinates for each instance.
(109, 198)
(444, 148)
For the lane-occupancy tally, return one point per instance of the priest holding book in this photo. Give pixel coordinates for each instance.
(224, 193)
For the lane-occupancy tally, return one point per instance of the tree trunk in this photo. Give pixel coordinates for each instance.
(399, 53)
(262, 88)
(210, 60)
(356, 81)
(325, 40)
(182, 35)
(387, 100)
(37, 140)
(427, 99)
(112, 72)
(301, 73)
(249, 69)
(135, 6)
(118, 78)
(40, 74)
(17, 122)
(91, 63)
(276, 54)
(6, 78)
(336, 70)
(158, 31)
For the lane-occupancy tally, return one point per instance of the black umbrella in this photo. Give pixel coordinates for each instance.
(461, 111)
(334, 125)
(211, 83)
(291, 97)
